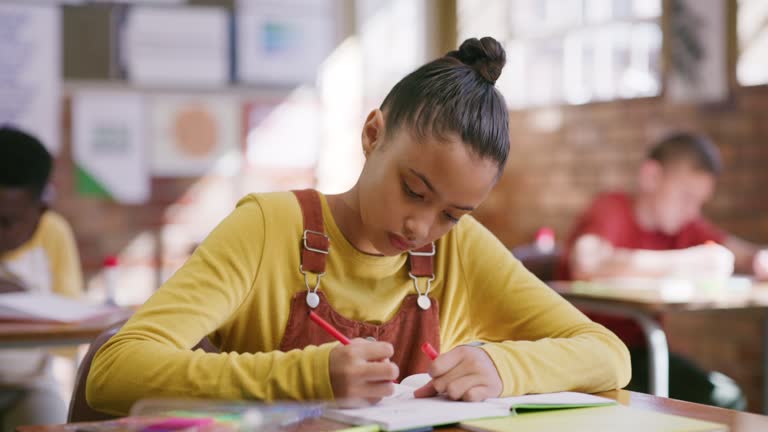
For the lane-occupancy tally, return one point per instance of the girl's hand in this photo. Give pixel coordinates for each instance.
(464, 373)
(362, 370)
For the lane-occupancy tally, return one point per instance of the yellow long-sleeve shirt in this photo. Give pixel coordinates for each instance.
(238, 284)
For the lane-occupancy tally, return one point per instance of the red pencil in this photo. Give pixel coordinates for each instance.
(429, 350)
(328, 328)
(332, 331)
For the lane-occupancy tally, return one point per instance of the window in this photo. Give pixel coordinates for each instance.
(752, 67)
(571, 51)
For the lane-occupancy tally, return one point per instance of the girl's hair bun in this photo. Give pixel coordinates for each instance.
(486, 56)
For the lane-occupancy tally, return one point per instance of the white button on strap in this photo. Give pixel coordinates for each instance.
(313, 299)
(424, 302)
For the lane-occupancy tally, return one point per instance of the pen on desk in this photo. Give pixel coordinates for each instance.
(328, 328)
(429, 350)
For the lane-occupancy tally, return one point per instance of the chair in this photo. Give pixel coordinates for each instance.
(542, 264)
(79, 410)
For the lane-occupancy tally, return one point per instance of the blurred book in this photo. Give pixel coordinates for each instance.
(36, 307)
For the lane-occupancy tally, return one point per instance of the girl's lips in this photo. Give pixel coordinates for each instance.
(399, 242)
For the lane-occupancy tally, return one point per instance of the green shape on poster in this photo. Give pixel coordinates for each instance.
(87, 185)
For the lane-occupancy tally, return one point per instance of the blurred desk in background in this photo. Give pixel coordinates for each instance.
(642, 301)
(35, 334)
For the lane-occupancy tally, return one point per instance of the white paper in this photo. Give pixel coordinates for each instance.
(109, 140)
(30, 70)
(402, 411)
(398, 414)
(47, 307)
(176, 46)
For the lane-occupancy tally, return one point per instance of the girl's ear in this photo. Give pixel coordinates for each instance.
(373, 131)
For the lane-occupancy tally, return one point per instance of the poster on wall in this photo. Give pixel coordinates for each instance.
(194, 135)
(109, 142)
(698, 63)
(283, 41)
(30, 70)
(195, 53)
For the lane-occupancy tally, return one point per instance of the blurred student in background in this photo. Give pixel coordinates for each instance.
(37, 254)
(659, 231)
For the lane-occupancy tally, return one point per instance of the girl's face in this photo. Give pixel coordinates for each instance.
(412, 191)
(20, 213)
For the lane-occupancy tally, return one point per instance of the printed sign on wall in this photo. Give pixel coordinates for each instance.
(30, 70)
(109, 142)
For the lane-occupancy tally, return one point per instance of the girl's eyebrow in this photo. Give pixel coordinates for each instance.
(432, 189)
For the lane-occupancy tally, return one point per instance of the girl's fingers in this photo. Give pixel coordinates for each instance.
(458, 388)
(425, 391)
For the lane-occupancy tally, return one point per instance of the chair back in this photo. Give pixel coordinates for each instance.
(79, 410)
(542, 264)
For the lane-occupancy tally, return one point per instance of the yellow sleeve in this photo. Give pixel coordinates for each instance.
(59, 243)
(151, 356)
(539, 342)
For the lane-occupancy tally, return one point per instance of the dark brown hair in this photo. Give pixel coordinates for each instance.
(24, 161)
(455, 94)
(694, 149)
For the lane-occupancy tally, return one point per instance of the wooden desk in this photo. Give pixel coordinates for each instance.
(643, 306)
(29, 334)
(736, 421)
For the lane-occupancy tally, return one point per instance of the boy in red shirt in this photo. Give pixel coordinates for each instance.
(659, 231)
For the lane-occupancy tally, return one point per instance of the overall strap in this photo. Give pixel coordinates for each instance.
(315, 243)
(422, 261)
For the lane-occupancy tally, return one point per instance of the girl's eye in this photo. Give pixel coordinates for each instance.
(450, 218)
(410, 192)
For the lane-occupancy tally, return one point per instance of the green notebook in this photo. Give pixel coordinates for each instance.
(609, 418)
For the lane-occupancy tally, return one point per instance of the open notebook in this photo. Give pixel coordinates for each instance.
(402, 411)
(25, 306)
